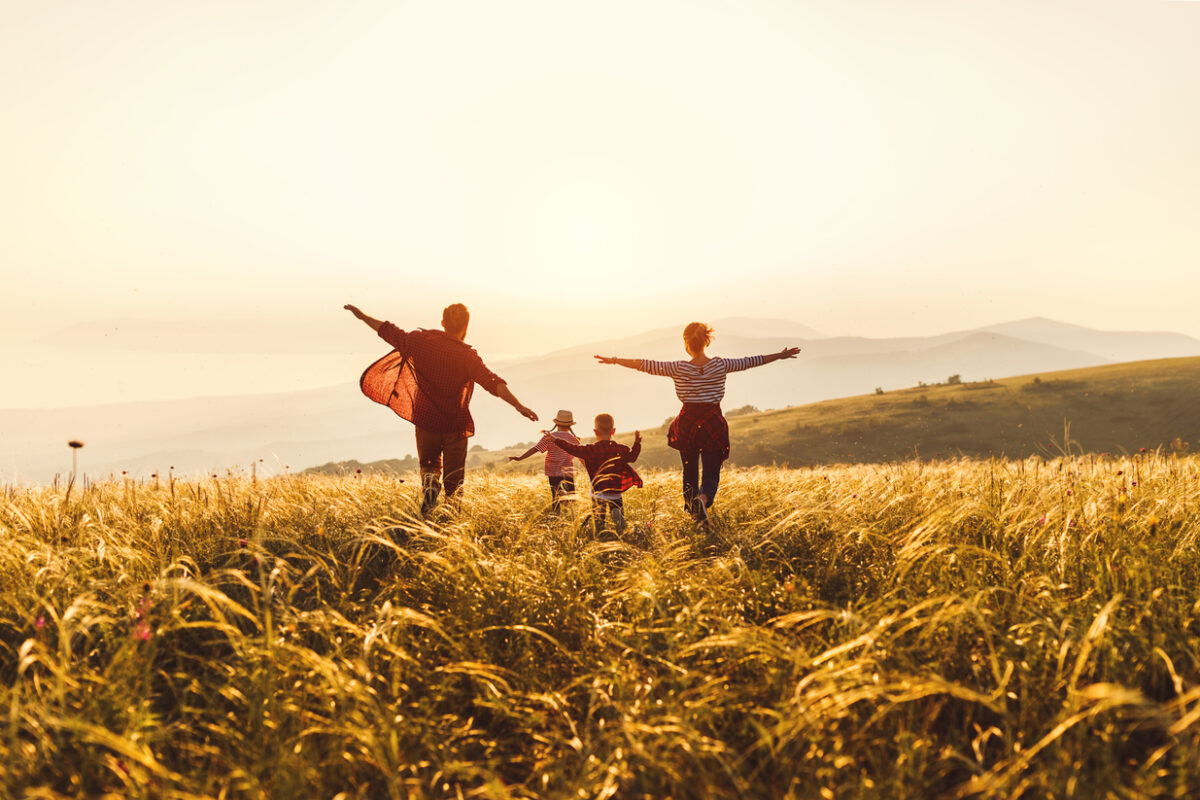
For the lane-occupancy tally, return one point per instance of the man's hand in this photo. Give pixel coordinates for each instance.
(505, 394)
(637, 436)
(789, 352)
(373, 323)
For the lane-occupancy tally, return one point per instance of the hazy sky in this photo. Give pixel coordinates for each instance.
(573, 170)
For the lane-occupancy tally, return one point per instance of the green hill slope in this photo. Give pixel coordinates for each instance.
(1114, 408)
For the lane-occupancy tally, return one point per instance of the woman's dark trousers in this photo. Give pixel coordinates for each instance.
(692, 464)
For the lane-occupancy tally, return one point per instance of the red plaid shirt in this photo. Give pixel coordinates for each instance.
(607, 463)
(428, 379)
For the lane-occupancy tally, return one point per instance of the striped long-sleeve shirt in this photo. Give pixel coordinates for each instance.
(704, 384)
(559, 463)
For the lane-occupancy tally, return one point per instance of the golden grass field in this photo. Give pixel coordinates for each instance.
(949, 629)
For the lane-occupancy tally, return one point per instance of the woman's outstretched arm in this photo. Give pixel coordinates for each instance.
(787, 352)
(632, 363)
(750, 362)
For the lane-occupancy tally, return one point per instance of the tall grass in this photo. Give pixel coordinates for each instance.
(956, 629)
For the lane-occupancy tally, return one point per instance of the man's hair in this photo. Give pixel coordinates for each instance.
(604, 422)
(697, 335)
(455, 318)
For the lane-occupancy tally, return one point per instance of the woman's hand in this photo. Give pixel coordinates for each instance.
(354, 310)
(637, 436)
(787, 352)
(514, 458)
(606, 359)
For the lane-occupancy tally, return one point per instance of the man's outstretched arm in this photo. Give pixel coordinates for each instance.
(373, 323)
(504, 394)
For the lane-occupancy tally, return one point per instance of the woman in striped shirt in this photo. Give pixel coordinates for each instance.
(700, 432)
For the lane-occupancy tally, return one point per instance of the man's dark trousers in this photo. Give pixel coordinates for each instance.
(440, 454)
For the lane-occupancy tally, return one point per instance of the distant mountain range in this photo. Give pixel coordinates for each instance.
(306, 428)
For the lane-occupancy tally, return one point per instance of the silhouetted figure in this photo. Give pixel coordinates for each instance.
(700, 432)
(428, 380)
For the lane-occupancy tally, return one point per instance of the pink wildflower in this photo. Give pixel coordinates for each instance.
(142, 632)
(40, 622)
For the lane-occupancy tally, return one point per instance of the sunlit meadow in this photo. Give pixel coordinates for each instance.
(952, 629)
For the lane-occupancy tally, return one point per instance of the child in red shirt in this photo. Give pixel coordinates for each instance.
(608, 465)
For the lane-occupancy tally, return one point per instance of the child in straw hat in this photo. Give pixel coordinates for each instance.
(560, 465)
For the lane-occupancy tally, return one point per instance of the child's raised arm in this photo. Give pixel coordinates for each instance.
(636, 450)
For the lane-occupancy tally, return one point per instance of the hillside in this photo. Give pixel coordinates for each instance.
(1114, 408)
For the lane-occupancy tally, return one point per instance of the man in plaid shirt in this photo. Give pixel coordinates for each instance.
(428, 380)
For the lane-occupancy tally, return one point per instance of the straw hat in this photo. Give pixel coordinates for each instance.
(564, 417)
